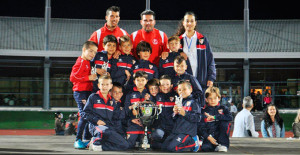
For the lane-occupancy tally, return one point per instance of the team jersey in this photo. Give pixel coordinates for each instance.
(118, 67)
(167, 101)
(80, 75)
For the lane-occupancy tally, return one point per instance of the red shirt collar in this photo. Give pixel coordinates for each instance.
(101, 96)
(106, 28)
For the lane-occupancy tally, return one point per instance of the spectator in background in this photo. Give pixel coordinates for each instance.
(224, 101)
(244, 123)
(233, 109)
(267, 100)
(258, 103)
(296, 125)
(272, 124)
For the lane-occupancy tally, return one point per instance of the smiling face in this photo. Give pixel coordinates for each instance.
(180, 68)
(117, 93)
(184, 90)
(272, 111)
(126, 47)
(165, 85)
(140, 82)
(105, 85)
(110, 47)
(153, 90)
(144, 55)
(174, 45)
(89, 53)
(112, 19)
(147, 22)
(189, 22)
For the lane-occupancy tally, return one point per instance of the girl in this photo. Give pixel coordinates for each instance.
(272, 125)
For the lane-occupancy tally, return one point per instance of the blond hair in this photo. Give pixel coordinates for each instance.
(211, 90)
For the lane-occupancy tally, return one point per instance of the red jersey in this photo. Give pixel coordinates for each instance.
(157, 39)
(98, 35)
(80, 75)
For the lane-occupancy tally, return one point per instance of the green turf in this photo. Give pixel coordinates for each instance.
(288, 120)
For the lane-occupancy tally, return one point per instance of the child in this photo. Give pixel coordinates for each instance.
(59, 124)
(184, 134)
(165, 123)
(121, 69)
(135, 130)
(180, 67)
(214, 126)
(152, 86)
(166, 66)
(99, 111)
(117, 93)
(82, 78)
(144, 51)
(110, 43)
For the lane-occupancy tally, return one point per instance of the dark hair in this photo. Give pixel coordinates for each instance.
(268, 120)
(140, 74)
(173, 38)
(88, 44)
(179, 59)
(180, 29)
(123, 39)
(153, 82)
(148, 12)
(112, 8)
(143, 46)
(118, 85)
(165, 77)
(184, 82)
(110, 38)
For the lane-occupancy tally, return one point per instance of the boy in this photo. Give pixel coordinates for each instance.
(214, 127)
(180, 67)
(135, 130)
(152, 86)
(82, 78)
(117, 93)
(186, 116)
(166, 66)
(59, 123)
(165, 123)
(99, 111)
(121, 69)
(104, 59)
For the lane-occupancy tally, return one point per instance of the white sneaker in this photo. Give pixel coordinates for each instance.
(95, 147)
(221, 148)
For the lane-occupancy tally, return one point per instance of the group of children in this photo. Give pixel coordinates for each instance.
(108, 117)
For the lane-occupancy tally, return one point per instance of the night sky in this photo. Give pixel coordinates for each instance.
(165, 9)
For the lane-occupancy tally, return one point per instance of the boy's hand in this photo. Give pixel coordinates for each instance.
(137, 121)
(175, 109)
(184, 55)
(164, 55)
(101, 122)
(93, 77)
(117, 54)
(100, 71)
(83, 101)
(212, 140)
(181, 111)
(127, 74)
(147, 97)
(209, 117)
(210, 83)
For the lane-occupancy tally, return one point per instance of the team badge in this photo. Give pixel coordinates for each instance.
(221, 111)
(133, 96)
(178, 139)
(171, 99)
(150, 66)
(128, 136)
(120, 60)
(101, 58)
(111, 102)
(167, 61)
(133, 61)
(201, 41)
(155, 42)
(98, 101)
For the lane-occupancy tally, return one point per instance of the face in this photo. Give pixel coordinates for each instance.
(189, 22)
(184, 90)
(117, 93)
(105, 85)
(180, 68)
(212, 99)
(112, 19)
(89, 53)
(126, 47)
(110, 47)
(165, 85)
(272, 111)
(174, 45)
(140, 82)
(153, 90)
(144, 55)
(147, 22)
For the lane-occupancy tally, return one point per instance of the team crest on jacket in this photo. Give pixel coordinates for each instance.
(101, 58)
(201, 41)
(111, 102)
(133, 96)
(150, 66)
(128, 136)
(98, 101)
(155, 42)
(133, 61)
(120, 60)
(171, 99)
(221, 111)
(178, 139)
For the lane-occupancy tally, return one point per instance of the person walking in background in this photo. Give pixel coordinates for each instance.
(244, 123)
(272, 124)
(267, 100)
(296, 125)
(233, 109)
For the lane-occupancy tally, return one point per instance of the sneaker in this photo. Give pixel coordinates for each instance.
(94, 147)
(79, 144)
(197, 144)
(86, 142)
(221, 148)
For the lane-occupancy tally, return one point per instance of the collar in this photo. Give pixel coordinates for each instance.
(194, 36)
(106, 28)
(135, 89)
(101, 96)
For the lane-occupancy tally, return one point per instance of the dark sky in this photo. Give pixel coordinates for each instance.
(165, 9)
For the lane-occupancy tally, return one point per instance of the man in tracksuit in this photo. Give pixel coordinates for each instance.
(165, 122)
(186, 116)
(135, 129)
(100, 111)
(214, 127)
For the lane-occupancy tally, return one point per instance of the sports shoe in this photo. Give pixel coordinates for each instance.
(221, 148)
(86, 142)
(197, 145)
(94, 147)
(79, 144)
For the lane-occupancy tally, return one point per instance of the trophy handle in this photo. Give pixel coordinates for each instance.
(160, 110)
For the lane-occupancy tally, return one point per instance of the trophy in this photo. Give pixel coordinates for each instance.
(148, 111)
(178, 101)
(105, 66)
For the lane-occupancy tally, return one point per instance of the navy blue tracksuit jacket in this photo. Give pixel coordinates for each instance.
(118, 67)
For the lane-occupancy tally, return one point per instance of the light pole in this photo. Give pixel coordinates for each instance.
(246, 47)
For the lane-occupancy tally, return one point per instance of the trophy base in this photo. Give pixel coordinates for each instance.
(145, 146)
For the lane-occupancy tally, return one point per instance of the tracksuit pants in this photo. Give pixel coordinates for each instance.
(158, 137)
(135, 133)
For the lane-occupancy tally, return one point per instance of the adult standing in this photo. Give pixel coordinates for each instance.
(272, 125)
(244, 123)
(110, 27)
(296, 125)
(267, 100)
(197, 48)
(156, 38)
